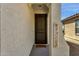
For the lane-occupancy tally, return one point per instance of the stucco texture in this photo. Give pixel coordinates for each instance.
(17, 29)
(70, 30)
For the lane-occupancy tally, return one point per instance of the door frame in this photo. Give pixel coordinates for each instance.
(46, 26)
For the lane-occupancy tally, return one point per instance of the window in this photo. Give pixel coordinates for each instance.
(77, 27)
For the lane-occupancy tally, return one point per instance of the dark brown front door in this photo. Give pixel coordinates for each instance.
(40, 28)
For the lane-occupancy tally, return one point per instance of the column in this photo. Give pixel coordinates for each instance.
(58, 45)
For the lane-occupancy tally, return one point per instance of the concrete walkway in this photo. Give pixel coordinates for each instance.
(74, 46)
(74, 49)
(39, 51)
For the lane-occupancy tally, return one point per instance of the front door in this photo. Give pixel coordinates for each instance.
(40, 28)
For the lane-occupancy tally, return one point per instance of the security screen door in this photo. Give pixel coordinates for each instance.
(40, 28)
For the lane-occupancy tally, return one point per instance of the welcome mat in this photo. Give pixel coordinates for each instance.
(40, 46)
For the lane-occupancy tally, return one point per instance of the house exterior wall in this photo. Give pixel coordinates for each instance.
(69, 29)
(0, 29)
(17, 29)
(58, 44)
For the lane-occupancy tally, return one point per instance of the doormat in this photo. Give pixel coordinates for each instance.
(40, 46)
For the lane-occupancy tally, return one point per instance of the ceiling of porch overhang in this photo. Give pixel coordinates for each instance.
(40, 6)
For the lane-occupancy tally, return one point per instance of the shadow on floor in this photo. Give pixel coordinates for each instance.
(74, 49)
(39, 51)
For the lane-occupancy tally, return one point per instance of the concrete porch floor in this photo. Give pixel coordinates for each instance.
(39, 51)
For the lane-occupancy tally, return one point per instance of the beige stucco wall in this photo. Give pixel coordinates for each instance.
(70, 31)
(49, 29)
(17, 29)
(48, 25)
(62, 49)
(0, 29)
